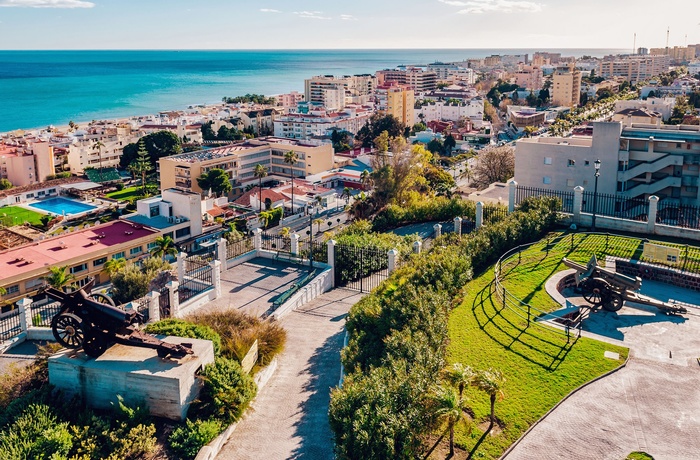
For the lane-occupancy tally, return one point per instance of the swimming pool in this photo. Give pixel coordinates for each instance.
(60, 206)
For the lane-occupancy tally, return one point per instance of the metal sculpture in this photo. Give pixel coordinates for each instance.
(93, 322)
(609, 289)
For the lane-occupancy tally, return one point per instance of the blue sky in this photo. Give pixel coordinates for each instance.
(304, 24)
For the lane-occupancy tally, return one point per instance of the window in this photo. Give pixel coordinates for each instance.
(98, 262)
(569, 182)
(548, 160)
(154, 211)
(78, 268)
(182, 232)
(33, 283)
(119, 255)
(12, 289)
(571, 162)
(151, 246)
(136, 250)
(547, 180)
(30, 195)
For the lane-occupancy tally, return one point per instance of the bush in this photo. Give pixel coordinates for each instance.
(429, 210)
(36, 434)
(228, 388)
(181, 328)
(187, 440)
(119, 186)
(131, 282)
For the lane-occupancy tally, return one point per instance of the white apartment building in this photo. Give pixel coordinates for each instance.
(442, 111)
(419, 80)
(27, 162)
(442, 70)
(634, 68)
(289, 100)
(637, 161)
(335, 93)
(85, 152)
(319, 122)
(663, 105)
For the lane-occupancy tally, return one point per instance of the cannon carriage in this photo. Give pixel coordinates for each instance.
(602, 287)
(91, 321)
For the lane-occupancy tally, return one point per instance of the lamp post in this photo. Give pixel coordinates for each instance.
(311, 237)
(595, 192)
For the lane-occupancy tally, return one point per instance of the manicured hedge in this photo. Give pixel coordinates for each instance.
(430, 210)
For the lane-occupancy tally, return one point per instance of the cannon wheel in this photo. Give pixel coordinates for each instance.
(595, 291)
(102, 298)
(614, 303)
(94, 344)
(68, 329)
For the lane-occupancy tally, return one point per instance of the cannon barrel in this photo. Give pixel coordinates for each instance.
(593, 270)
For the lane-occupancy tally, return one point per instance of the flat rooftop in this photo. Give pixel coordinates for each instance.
(235, 149)
(60, 249)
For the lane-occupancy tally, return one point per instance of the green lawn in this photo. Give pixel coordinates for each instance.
(539, 365)
(125, 193)
(14, 215)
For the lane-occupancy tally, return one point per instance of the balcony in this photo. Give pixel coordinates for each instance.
(653, 187)
(650, 167)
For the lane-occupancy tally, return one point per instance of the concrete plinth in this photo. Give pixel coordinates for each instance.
(166, 386)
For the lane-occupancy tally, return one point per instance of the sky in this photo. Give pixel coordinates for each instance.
(358, 24)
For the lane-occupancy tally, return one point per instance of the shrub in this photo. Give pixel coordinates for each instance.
(36, 434)
(187, 440)
(228, 388)
(181, 328)
(428, 210)
(119, 186)
(131, 282)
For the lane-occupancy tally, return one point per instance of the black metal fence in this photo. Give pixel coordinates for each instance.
(10, 325)
(671, 213)
(566, 197)
(206, 254)
(494, 213)
(164, 302)
(43, 313)
(239, 247)
(361, 269)
(198, 278)
(318, 249)
(616, 206)
(468, 226)
(141, 305)
(276, 243)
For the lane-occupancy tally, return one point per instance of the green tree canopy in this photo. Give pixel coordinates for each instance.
(158, 145)
(216, 180)
(376, 125)
(5, 184)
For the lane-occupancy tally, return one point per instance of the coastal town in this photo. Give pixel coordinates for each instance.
(373, 266)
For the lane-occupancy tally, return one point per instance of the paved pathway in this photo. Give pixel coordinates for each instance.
(290, 415)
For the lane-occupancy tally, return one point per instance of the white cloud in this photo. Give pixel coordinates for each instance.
(348, 17)
(46, 4)
(269, 10)
(311, 14)
(489, 6)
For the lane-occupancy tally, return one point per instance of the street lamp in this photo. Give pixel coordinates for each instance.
(595, 192)
(310, 208)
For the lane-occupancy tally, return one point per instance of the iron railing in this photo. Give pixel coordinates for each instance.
(318, 249)
(616, 206)
(275, 243)
(494, 213)
(198, 278)
(361, 269)
(239, 247)
(164, 303)
(566, 197)
(43, 313)
(684, 216)
(10, 325)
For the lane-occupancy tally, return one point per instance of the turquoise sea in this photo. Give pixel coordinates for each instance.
(39, 88)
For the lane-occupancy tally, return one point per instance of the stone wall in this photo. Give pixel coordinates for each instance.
(652, 272)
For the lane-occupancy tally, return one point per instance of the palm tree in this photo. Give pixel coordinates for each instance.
(291, 158)
(529, 130)
(491, 382)
(449, 409)
(364, 178)
(163, 246)
(265, 218)
(318, 221)
(460, 376)
(98, 146)
(285, 232)
(346, 193)
(59, 277)
(112, 266)
(260, 172)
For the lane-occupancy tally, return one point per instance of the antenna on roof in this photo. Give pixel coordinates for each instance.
(634, 44)
(668, 32)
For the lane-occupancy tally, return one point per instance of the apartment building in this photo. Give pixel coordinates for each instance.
(634, 68)
(441, 110)
(541, 58)
(86, 152)
(566, 86)
(335, 93)
(190, 132)
(663, 105)
(529, 77)
(442, 70)
(419, 80)
(677, 53)
(289, 100)
(84, 252)
(239, 161)
(27, 162)
(637, 161)
(397, 100)
(317, 123)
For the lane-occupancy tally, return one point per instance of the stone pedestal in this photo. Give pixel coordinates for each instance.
(166, 386)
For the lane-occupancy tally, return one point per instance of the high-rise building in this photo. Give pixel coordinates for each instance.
(566, 86)
(397, 100)
(529, 77)
(335, 92)
(420, 81)
(634, 68)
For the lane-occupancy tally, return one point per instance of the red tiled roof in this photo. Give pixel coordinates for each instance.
(244, 200)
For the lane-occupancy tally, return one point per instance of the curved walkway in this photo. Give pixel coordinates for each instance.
(290, 415)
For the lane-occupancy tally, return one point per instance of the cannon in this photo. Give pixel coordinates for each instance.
(93, 322)
(604, 287)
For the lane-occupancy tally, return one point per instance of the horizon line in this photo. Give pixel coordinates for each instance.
(310, 49)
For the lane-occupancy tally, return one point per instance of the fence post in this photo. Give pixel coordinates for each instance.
(417, 247)
(25, 313)
(458, 226)
(331, 260)
(393, 253)
(653, 209)
(181, 266)
(153, 306)
(479, 214)
(173, 298)
(222, 249)
(294, 239)
(216, 276)
(257, 239)
(578, 204)
(438, 230)
(512, 188)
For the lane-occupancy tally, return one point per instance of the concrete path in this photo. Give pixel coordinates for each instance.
(290, 415)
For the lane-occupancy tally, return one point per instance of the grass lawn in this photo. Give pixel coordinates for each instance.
(15, 215)
(128, 192)
(539, 366)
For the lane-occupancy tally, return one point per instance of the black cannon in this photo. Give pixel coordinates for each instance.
(93, 322)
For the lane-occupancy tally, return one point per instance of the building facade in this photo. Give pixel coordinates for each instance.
(419, 80)
(335, 93)
(566, 86)
(634, 68)
(398, 101)
(318, 123)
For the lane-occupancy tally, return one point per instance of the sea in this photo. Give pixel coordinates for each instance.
(42, 88)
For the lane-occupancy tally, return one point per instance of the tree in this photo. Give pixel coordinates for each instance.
(265, 218)
(318, 221)
(163, 246)
(216, 180)
(58, 277)
(346, 192)
(435, 146)
(449, 408)
(131, 282)
(376, 125)
(285, 232)
(208, 133)
(531, 99)
(259, 172)
(382, 142)
(460, 376)
(98, 145)
(5, 184)
(496, 164)
(491, 382)
(291, 158)
(112, 266)
(158, 145)
(530, 130)
(365, 178)
(449, 144)
(680, 110)
(141, 165)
